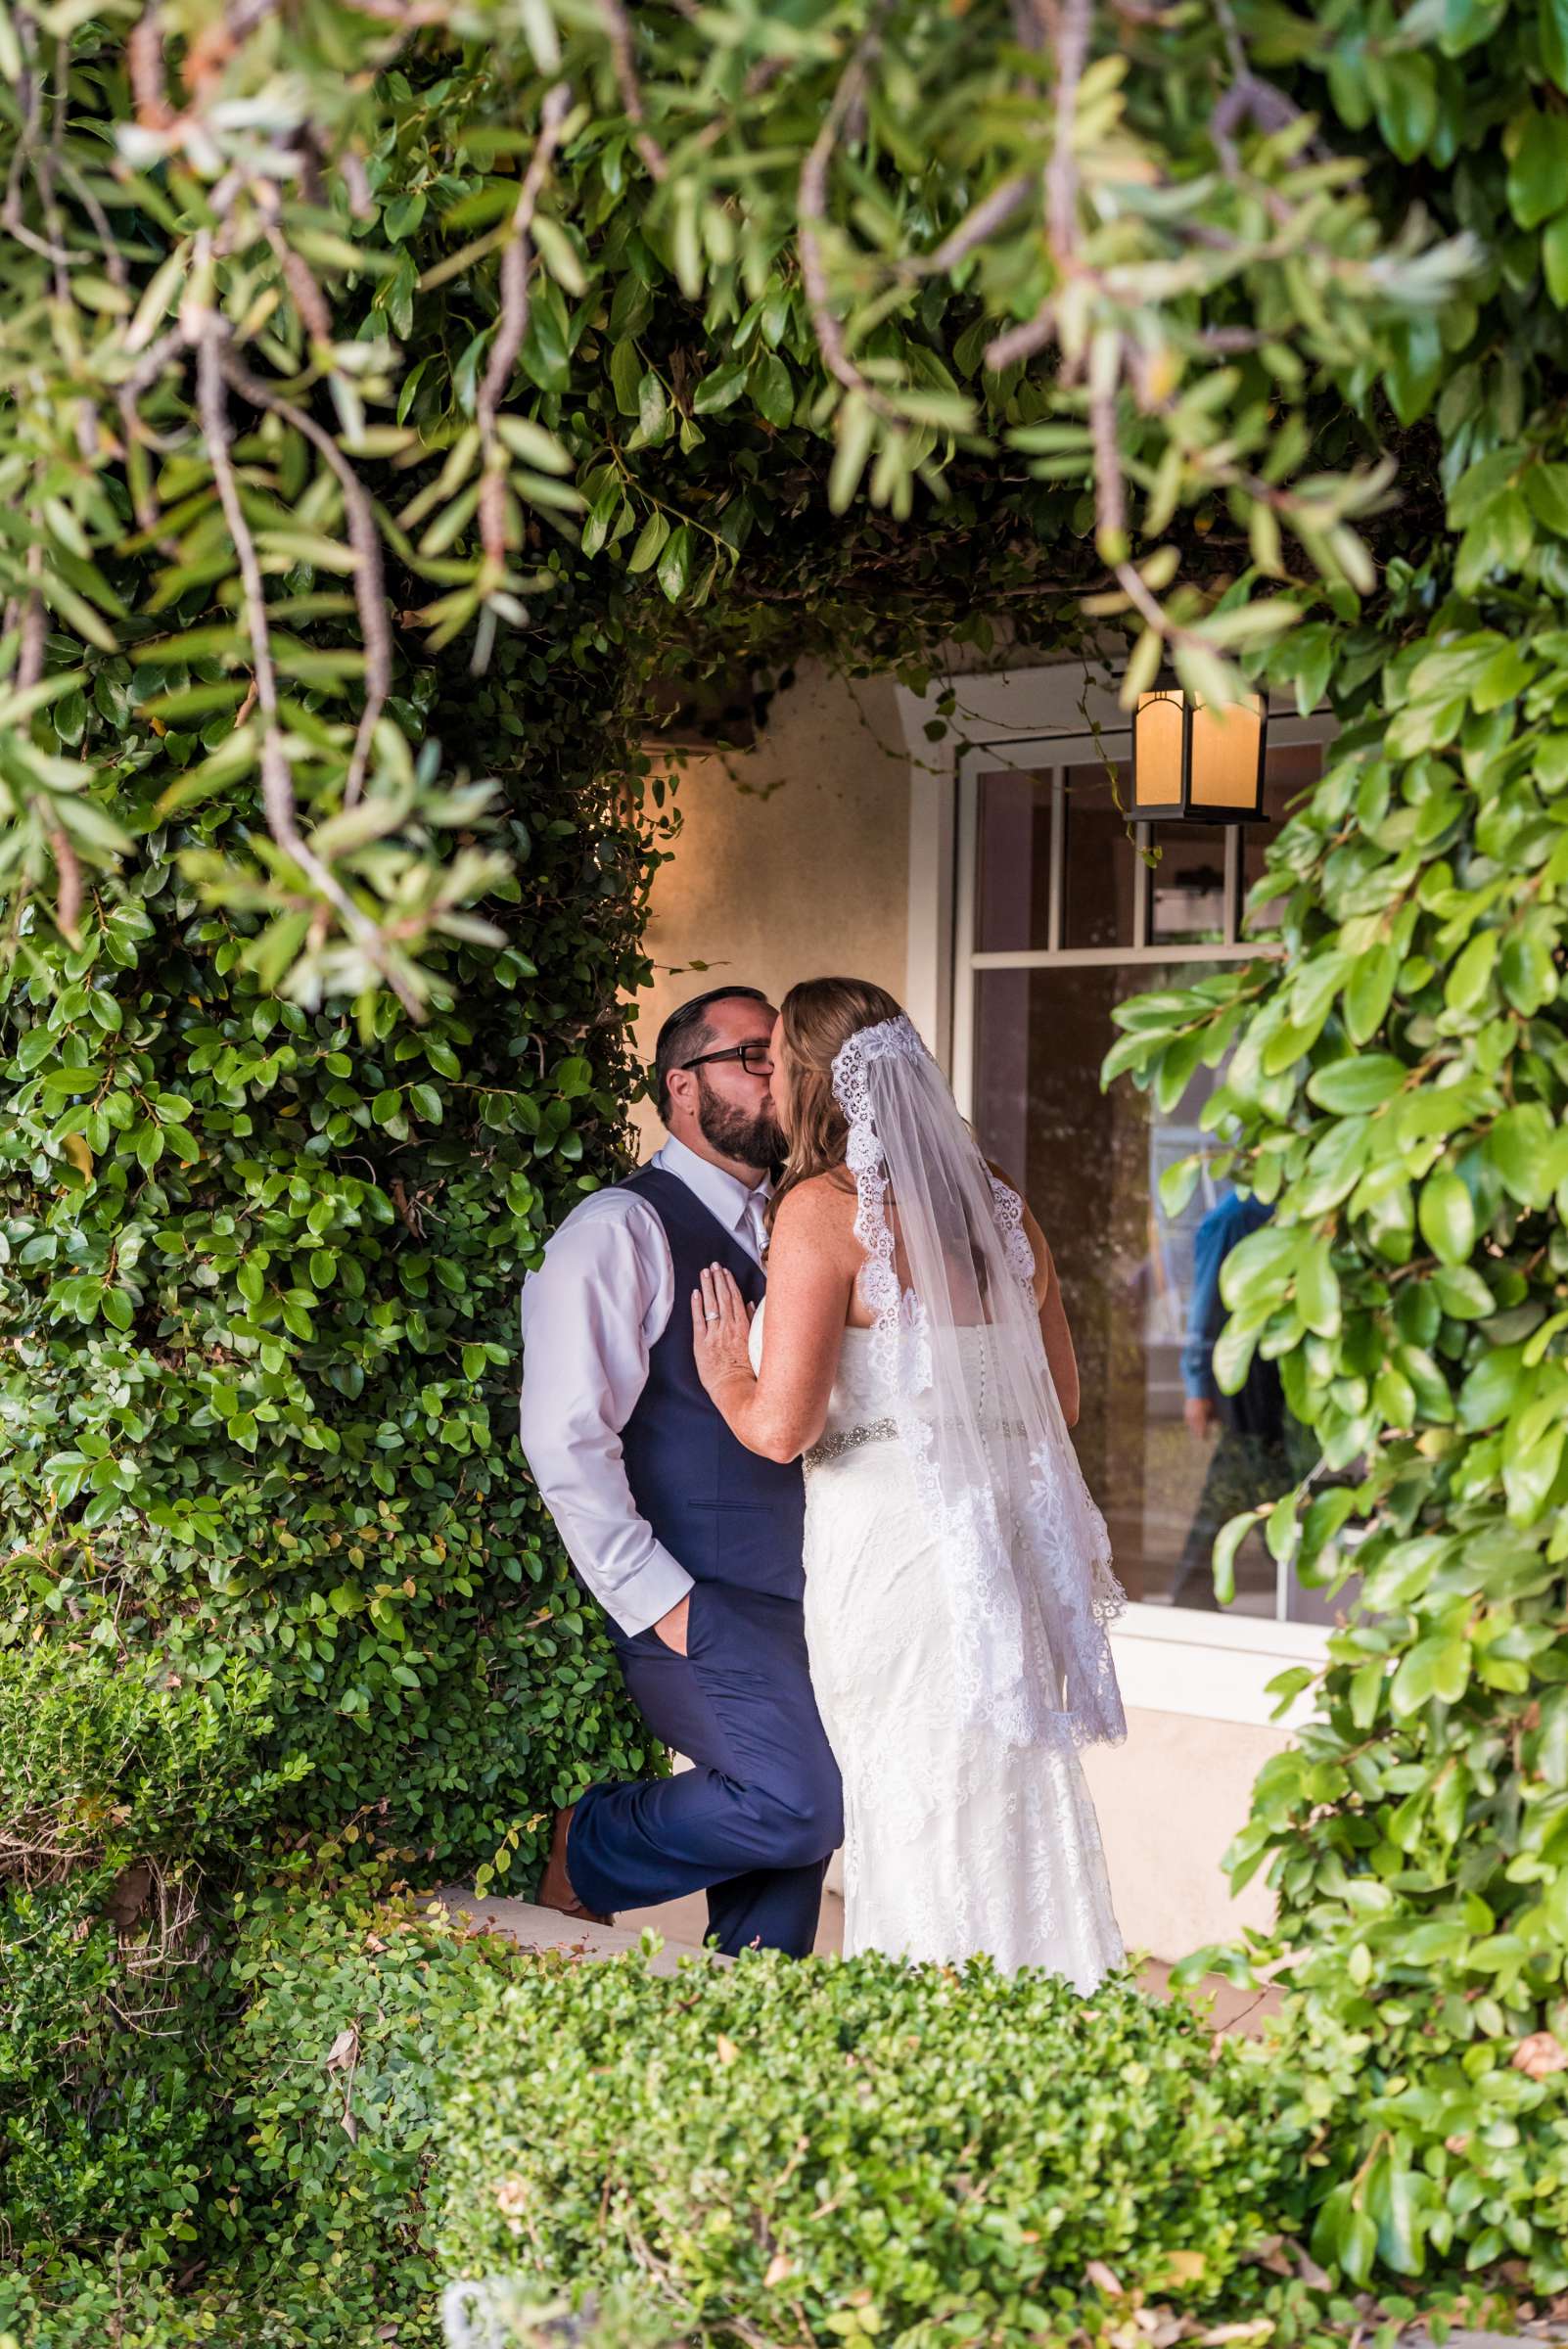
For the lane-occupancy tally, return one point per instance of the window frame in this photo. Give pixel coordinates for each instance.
(1021, 752)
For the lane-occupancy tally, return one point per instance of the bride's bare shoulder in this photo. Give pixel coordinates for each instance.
(818, 1211)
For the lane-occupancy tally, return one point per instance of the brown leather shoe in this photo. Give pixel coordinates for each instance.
(555, 1886)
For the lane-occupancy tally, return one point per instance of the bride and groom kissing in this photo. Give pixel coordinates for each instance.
(796, 1395)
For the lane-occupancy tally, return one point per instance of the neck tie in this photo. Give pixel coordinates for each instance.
(756, 1230)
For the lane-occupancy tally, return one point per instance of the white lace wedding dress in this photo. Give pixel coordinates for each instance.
(955, 1841)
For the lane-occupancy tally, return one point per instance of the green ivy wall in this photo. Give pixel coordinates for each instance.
(258, 1323)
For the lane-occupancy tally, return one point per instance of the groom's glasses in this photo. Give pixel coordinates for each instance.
(754, 1059)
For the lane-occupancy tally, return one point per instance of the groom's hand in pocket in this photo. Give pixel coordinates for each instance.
(672, 1628)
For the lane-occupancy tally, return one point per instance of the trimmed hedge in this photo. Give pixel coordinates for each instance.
(391, 2101)
(830, 2150)
(354, 2012)
(122, 1785)
(305, 2125)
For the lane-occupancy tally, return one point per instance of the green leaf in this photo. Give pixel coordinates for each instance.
(1521, 1147)
(653, 413)
(1555, 260)
(1415, 374)
(855, 432)
(1317, 1289)
(772, 390)
(1492, 1388)
(1408, 102)
(674, 564)
(1471, 976)
(1546, 488)
(1177, 1183)
(650, 542)
(1401, 2238)
(601, 515)
(1438, 1667)
(1369, 991)
(719, 389)
(1527, 966)
(1228, 1543)
(1347, 1086)
(402, 216)
(533, 443)
(1446, 1216)
(625, 374)
(1462, 1293)
(1538, 175)
(1553, 26)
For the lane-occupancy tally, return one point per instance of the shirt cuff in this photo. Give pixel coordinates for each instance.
(656, 1586)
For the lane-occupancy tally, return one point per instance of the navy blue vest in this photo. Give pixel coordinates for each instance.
(725, 1513)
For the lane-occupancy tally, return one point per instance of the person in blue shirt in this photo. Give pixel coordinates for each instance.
(1250, 1461)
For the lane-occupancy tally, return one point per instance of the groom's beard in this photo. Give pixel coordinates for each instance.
(754, 1141)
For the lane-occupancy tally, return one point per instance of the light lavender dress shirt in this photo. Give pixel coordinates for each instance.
(601, 1298)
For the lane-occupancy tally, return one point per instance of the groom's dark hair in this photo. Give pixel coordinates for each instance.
(686, 1033)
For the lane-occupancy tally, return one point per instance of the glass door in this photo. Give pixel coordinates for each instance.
(1062, 916)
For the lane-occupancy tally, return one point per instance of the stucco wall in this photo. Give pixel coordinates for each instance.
(792, 860)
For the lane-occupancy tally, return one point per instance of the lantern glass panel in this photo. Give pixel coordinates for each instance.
(1157, 765)
(1224, 755)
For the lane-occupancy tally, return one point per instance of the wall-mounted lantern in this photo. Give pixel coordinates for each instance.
(1198, 761)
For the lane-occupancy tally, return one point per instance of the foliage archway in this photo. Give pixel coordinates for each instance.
(388, 386)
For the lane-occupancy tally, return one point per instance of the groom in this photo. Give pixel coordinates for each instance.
(690, 1543)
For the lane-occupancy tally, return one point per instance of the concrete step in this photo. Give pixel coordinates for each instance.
(535, 1928)
(680, 1924)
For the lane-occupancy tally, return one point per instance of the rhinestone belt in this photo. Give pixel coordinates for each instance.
(882, 1430)
(849, 1439)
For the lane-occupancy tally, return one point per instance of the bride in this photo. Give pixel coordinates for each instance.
(913, 1351)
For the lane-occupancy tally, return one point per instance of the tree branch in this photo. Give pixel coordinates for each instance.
(29, 671)
(812, 211)
(517, 264)
(617, 32)
(370, 588)
(1070, 30)
(277, 781)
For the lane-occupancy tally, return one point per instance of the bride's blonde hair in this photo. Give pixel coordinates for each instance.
(815, 1020)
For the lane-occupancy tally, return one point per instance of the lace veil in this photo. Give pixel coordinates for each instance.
(949, 1280)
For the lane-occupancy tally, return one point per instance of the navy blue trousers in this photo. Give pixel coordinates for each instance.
(756, 1820)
